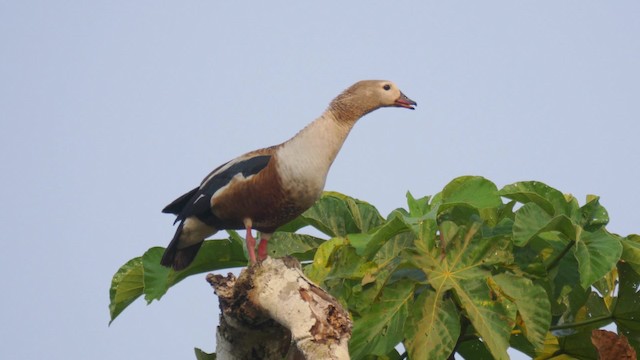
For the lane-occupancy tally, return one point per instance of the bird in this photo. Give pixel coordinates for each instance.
(267, 188)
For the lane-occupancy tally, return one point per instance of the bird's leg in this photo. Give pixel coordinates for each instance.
(251, 241)
(262, 247)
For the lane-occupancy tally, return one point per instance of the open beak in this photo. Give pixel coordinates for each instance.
(405, 102)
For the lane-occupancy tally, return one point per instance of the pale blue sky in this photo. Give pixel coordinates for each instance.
(111, 109)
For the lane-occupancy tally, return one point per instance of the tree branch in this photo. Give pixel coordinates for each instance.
(272, 306)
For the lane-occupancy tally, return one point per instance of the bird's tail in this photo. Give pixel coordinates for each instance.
(179, 258)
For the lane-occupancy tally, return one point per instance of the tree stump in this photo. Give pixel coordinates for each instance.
(272, 311)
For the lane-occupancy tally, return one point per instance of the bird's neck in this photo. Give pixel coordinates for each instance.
(322, 139)
(305, 159)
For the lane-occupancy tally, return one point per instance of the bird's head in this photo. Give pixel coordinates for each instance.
(368, 95)
(389, 95)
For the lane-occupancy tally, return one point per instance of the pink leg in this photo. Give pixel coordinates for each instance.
(262, 248)
(251, 242)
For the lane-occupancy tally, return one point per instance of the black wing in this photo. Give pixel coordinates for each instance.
(178, 204)
(197, 202)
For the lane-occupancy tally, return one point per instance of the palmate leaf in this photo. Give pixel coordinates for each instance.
(532, 303)
(126, 286)
(464, 269)
(564, 281)
(474, 191)
(462, 260)
(458, 270)
(474, 349)
(383, 270)
(576, 346)
(492, 317)
(353, 278)
(357, 267)
(552, 201)
(302, 246)
(421, 218)
(631, 251)
(367, 244)
(382, 327)
(336, 214)
(213, 255)
(597, 250)
(597, 253)
(433, 327)
(321, 266)
(592, 315)
(532, 220)
(594, 215)
(627, 309)
(145, 275)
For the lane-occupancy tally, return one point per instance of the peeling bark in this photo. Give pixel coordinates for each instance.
(272, 311)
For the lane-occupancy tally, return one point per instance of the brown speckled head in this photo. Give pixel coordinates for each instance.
(366, 96)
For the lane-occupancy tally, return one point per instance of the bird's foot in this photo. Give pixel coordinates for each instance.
(262, 250)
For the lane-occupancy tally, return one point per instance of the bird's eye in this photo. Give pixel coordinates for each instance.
(386, 87)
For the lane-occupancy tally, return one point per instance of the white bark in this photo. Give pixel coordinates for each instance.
(273, 311)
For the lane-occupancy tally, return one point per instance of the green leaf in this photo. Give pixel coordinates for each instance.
(531, 220)
(321, 266)
(381, 271)
(156, 276)
(465, 267)
(145, 275)
(300, 245)
(126, 286)
(418, 207)
(381, 328)
(519, 342)
(367, 244)
(467, 255)
(493, 318)
(631, 251)
(433, 327)
(457, 249)
(577, 346)
(549, 199)
(422, 216)
(336, 214)
(627, 309)
(594, 215)
(213, 255)
(532, 303)
(201, 355)
(421, 219)
(473, 349)
(593, 315)
(474, 191)
(597, 253)
(568, 295)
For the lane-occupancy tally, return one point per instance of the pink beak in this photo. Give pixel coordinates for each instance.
(405, 102)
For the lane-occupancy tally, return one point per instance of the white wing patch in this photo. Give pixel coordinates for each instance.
(199, 197)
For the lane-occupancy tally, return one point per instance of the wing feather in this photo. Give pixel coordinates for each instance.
(197, 202)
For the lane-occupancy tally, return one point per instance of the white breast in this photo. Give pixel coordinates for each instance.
(304, 161)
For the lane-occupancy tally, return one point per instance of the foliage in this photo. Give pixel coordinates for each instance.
(473, 270)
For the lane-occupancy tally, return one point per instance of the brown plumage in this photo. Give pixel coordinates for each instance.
(269, 187)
